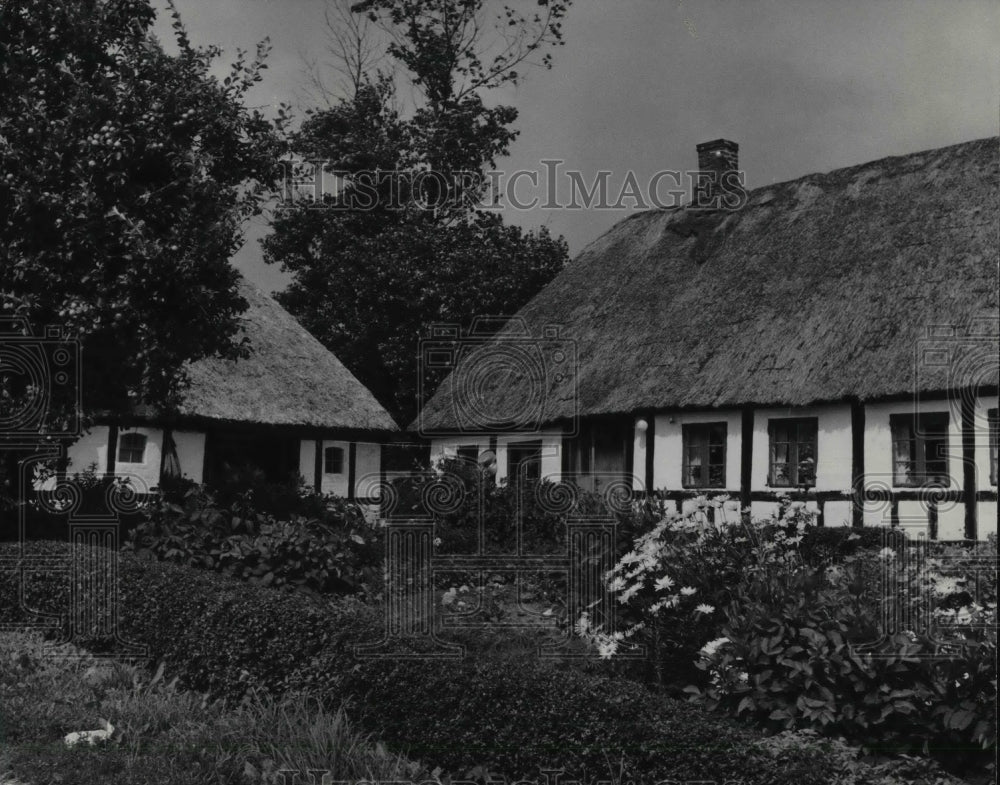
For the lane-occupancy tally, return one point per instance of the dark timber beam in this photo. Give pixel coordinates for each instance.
(318, 466)
(969, 466)
(112, 449)
(352, 470)
(858, 463)
(746, 456)
(650, 442)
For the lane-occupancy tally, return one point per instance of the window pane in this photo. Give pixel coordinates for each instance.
(717, 476)
(333, 460)
(779, 474)
(132, 448)
(903, 473)
(935, 460)
(779, 452)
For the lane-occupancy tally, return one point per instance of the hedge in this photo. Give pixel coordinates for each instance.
(225, 636)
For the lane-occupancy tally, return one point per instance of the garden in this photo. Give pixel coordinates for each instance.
(773, 651)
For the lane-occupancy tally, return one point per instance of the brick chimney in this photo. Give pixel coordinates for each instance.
(714, 160)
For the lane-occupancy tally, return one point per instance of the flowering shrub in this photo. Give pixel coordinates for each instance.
(892, 646)
(337, 553)
(844, 649)
(677, 577)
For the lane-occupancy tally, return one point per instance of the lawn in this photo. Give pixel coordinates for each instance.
(162, 734)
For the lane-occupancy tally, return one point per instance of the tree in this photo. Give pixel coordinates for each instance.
(126, 175)
(393, 250)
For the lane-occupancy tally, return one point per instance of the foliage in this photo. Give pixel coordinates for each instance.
(677, 577)
(808, 647)
(164, 734)
(891, 647)
(127, 175)
(827, 544)
(404, 234)
(801, 753)
(471, 718)
(334, 552)
(46, 512)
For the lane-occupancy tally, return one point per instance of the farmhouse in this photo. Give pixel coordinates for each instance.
(834, 338)
(291, 407)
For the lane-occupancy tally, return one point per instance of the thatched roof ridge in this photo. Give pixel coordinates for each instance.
(819, 289)
(289, 379)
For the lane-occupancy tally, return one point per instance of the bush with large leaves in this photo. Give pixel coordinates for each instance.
(335, 552)
(805, 646)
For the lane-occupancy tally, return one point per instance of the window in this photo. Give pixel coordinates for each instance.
(333, 460)
(469, 454)
(132, 448)
(793, 452)
(919, 449)
(704, 455)
(524, 461)
(994, 425)
(600, 454)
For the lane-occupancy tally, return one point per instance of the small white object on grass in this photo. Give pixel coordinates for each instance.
(90, 736)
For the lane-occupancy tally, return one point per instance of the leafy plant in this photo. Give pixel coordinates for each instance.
(807, 647)
(335, 553)
(234, 639)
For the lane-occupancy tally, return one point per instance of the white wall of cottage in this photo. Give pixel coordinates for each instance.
(92, 448)
(551, 439)
(191, 453)
(834, 460)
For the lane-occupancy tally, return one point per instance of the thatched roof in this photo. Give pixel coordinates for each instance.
(819, 289)
(290, 378)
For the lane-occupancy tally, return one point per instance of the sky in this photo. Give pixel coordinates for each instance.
(801, 85)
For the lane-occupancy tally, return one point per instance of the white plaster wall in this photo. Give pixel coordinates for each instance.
(833, 446)
(551, 440)
(191, 453)
(987, 520)
(838, 513)
(307, 461)
(668, 448)
(90, 448)
(145, 475)
(368, 463)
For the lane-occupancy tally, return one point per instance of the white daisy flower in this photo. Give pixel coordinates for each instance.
(664, 583)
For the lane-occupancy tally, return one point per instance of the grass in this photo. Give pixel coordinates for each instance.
(163, 734)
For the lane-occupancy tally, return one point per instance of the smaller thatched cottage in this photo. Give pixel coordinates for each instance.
(290, 408)
(834, 338)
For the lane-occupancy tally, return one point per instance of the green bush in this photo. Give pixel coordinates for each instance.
(794, 653)
(228, 637)
(336, 552)
(830, 544)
